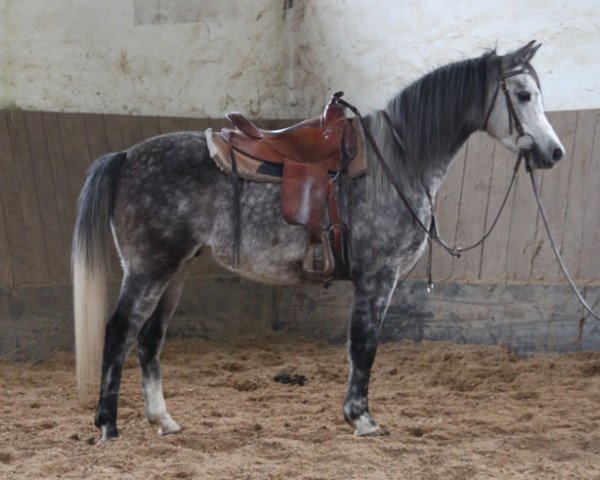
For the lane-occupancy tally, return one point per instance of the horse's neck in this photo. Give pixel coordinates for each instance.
(419, 178)
(434, 171)
(433, 177)
(434, 117)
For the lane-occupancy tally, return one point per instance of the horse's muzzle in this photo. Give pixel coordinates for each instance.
(545, 159)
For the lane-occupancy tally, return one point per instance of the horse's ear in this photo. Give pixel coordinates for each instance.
(521, 55)
(532, 48)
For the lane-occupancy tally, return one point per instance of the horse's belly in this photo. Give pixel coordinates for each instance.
(262, 268)
(268, 255)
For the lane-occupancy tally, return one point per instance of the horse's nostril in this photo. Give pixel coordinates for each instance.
(557, 154)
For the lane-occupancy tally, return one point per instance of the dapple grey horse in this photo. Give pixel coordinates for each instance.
(164, 199)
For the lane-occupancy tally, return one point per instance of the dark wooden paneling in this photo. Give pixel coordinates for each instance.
(495, 248)
(96, 136)
(76, 152)
(60, 178)
(149, 126)
(114, 136)
(521, 249)
(130, 130)
(590, 260)
(578, 163)
(5, 261)
(46, 198)
(45, 157)
(15, 259)
(172, 124)
(580, 166)
(30, 205)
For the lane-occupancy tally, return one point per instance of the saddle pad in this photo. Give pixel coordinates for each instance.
(255, 170)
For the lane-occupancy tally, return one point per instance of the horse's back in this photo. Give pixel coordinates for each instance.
(170, 150)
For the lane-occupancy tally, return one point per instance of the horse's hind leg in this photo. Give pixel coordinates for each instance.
(150, 341)
(140, 294)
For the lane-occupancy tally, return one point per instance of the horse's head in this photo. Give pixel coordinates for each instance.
(515, 113)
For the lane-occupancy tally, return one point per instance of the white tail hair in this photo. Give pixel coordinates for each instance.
(90, 263)
(89, 302)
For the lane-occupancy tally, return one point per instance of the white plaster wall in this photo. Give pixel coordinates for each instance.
(371, 49)
(203, 58)
(167, 57)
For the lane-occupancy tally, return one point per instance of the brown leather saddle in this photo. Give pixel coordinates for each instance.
(314, 154)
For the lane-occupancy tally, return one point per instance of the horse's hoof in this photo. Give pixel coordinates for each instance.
(171, 429)
(367, 427)
(108, 433)
(167, 426)
(379, 432)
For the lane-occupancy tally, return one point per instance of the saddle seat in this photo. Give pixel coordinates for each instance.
(312, 153)
(246, 126)
(310, 141)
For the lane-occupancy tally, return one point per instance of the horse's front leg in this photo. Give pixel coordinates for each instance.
(371, 299)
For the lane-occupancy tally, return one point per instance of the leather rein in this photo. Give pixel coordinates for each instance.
(432, 232)
(524, 154)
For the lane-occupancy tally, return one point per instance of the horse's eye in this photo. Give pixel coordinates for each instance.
(524, 96)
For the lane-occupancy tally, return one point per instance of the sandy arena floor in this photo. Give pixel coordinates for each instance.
(454, 412)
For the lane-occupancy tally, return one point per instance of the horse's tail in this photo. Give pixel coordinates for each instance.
(89, 262)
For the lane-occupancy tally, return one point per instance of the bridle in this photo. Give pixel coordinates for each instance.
(513, 118)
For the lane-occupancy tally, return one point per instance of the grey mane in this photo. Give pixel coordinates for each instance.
(434, 116)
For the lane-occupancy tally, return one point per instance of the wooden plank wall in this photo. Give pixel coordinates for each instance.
(44, 157)
(518, 251)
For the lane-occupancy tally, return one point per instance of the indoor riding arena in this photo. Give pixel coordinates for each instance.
(400, 282)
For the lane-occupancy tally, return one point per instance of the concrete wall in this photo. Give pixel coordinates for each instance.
(526, 318)
(35, 320)
(273, 58)
(167, 57)
(371, 50)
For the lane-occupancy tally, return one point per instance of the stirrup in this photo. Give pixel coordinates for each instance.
(308, 265)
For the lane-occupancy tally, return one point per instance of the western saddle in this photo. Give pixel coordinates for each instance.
(313, 155)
